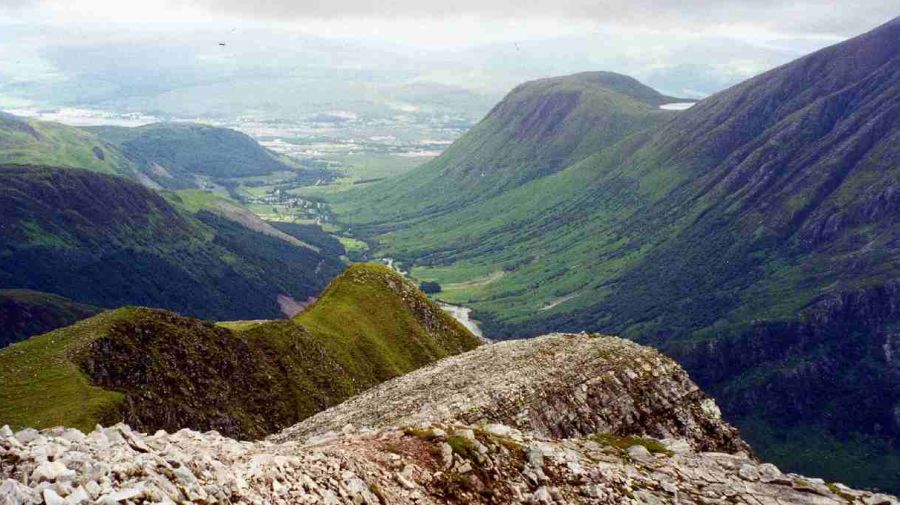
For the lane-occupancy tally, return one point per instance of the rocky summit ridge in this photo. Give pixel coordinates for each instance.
(558, 385)
(560, 419)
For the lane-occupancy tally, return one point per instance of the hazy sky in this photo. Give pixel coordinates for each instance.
(165, 54)
(464, 22)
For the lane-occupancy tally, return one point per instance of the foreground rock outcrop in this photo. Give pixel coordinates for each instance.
(508, 427)
(559, 386)
(427, 465)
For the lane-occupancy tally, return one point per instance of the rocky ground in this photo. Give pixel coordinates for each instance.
(513, 452)
(559, 385)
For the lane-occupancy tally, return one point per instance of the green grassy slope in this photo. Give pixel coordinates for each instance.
(754, 205)
(24, 313)
(172, 154)
(397, 331)
(30, 142)
(108, 241)
(540, 128)
(42, 386)
(156, 369)
(783, 179)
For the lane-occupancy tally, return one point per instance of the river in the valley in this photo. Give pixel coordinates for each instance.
(461, 314)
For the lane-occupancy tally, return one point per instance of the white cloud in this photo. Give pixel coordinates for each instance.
(683, 47)
(829, 16)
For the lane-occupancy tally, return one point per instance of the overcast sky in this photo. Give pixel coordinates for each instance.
(464, 22)
(165, 54)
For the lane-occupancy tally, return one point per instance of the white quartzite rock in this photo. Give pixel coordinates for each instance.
(517, 436)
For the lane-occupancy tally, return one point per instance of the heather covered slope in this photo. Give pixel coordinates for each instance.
(24, 313)
(108, 241)
(763, 203)
(157, 370)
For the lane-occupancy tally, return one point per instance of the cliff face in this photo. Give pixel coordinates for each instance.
(843, 342)
(506, 425)
(831, 372)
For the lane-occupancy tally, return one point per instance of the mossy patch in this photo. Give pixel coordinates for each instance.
(464, 447)
(836, 490)
(424, 434)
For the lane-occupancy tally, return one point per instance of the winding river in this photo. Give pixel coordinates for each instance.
(461, 314)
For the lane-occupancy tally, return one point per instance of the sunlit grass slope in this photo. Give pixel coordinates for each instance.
(30, 142)
(156, 369)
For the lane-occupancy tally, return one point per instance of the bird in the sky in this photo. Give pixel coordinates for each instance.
(222, 44)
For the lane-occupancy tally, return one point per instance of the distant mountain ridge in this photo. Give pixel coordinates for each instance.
(174, 154)
(161, 155)
(108, 241)
(538, 129)
(749, 207)
(26, 141)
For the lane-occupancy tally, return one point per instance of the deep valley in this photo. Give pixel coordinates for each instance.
(374, 298)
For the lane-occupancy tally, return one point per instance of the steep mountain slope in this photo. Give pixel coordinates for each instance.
(158, 370)
(31, 142)
(538, 129)
(108, 241)
(756, 205)
(818, 393)
(313, 235)
(459, 451)
(792, 215)
(24, 313)
(173, 155)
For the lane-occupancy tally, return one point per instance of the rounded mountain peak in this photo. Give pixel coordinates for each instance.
(597, 81)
